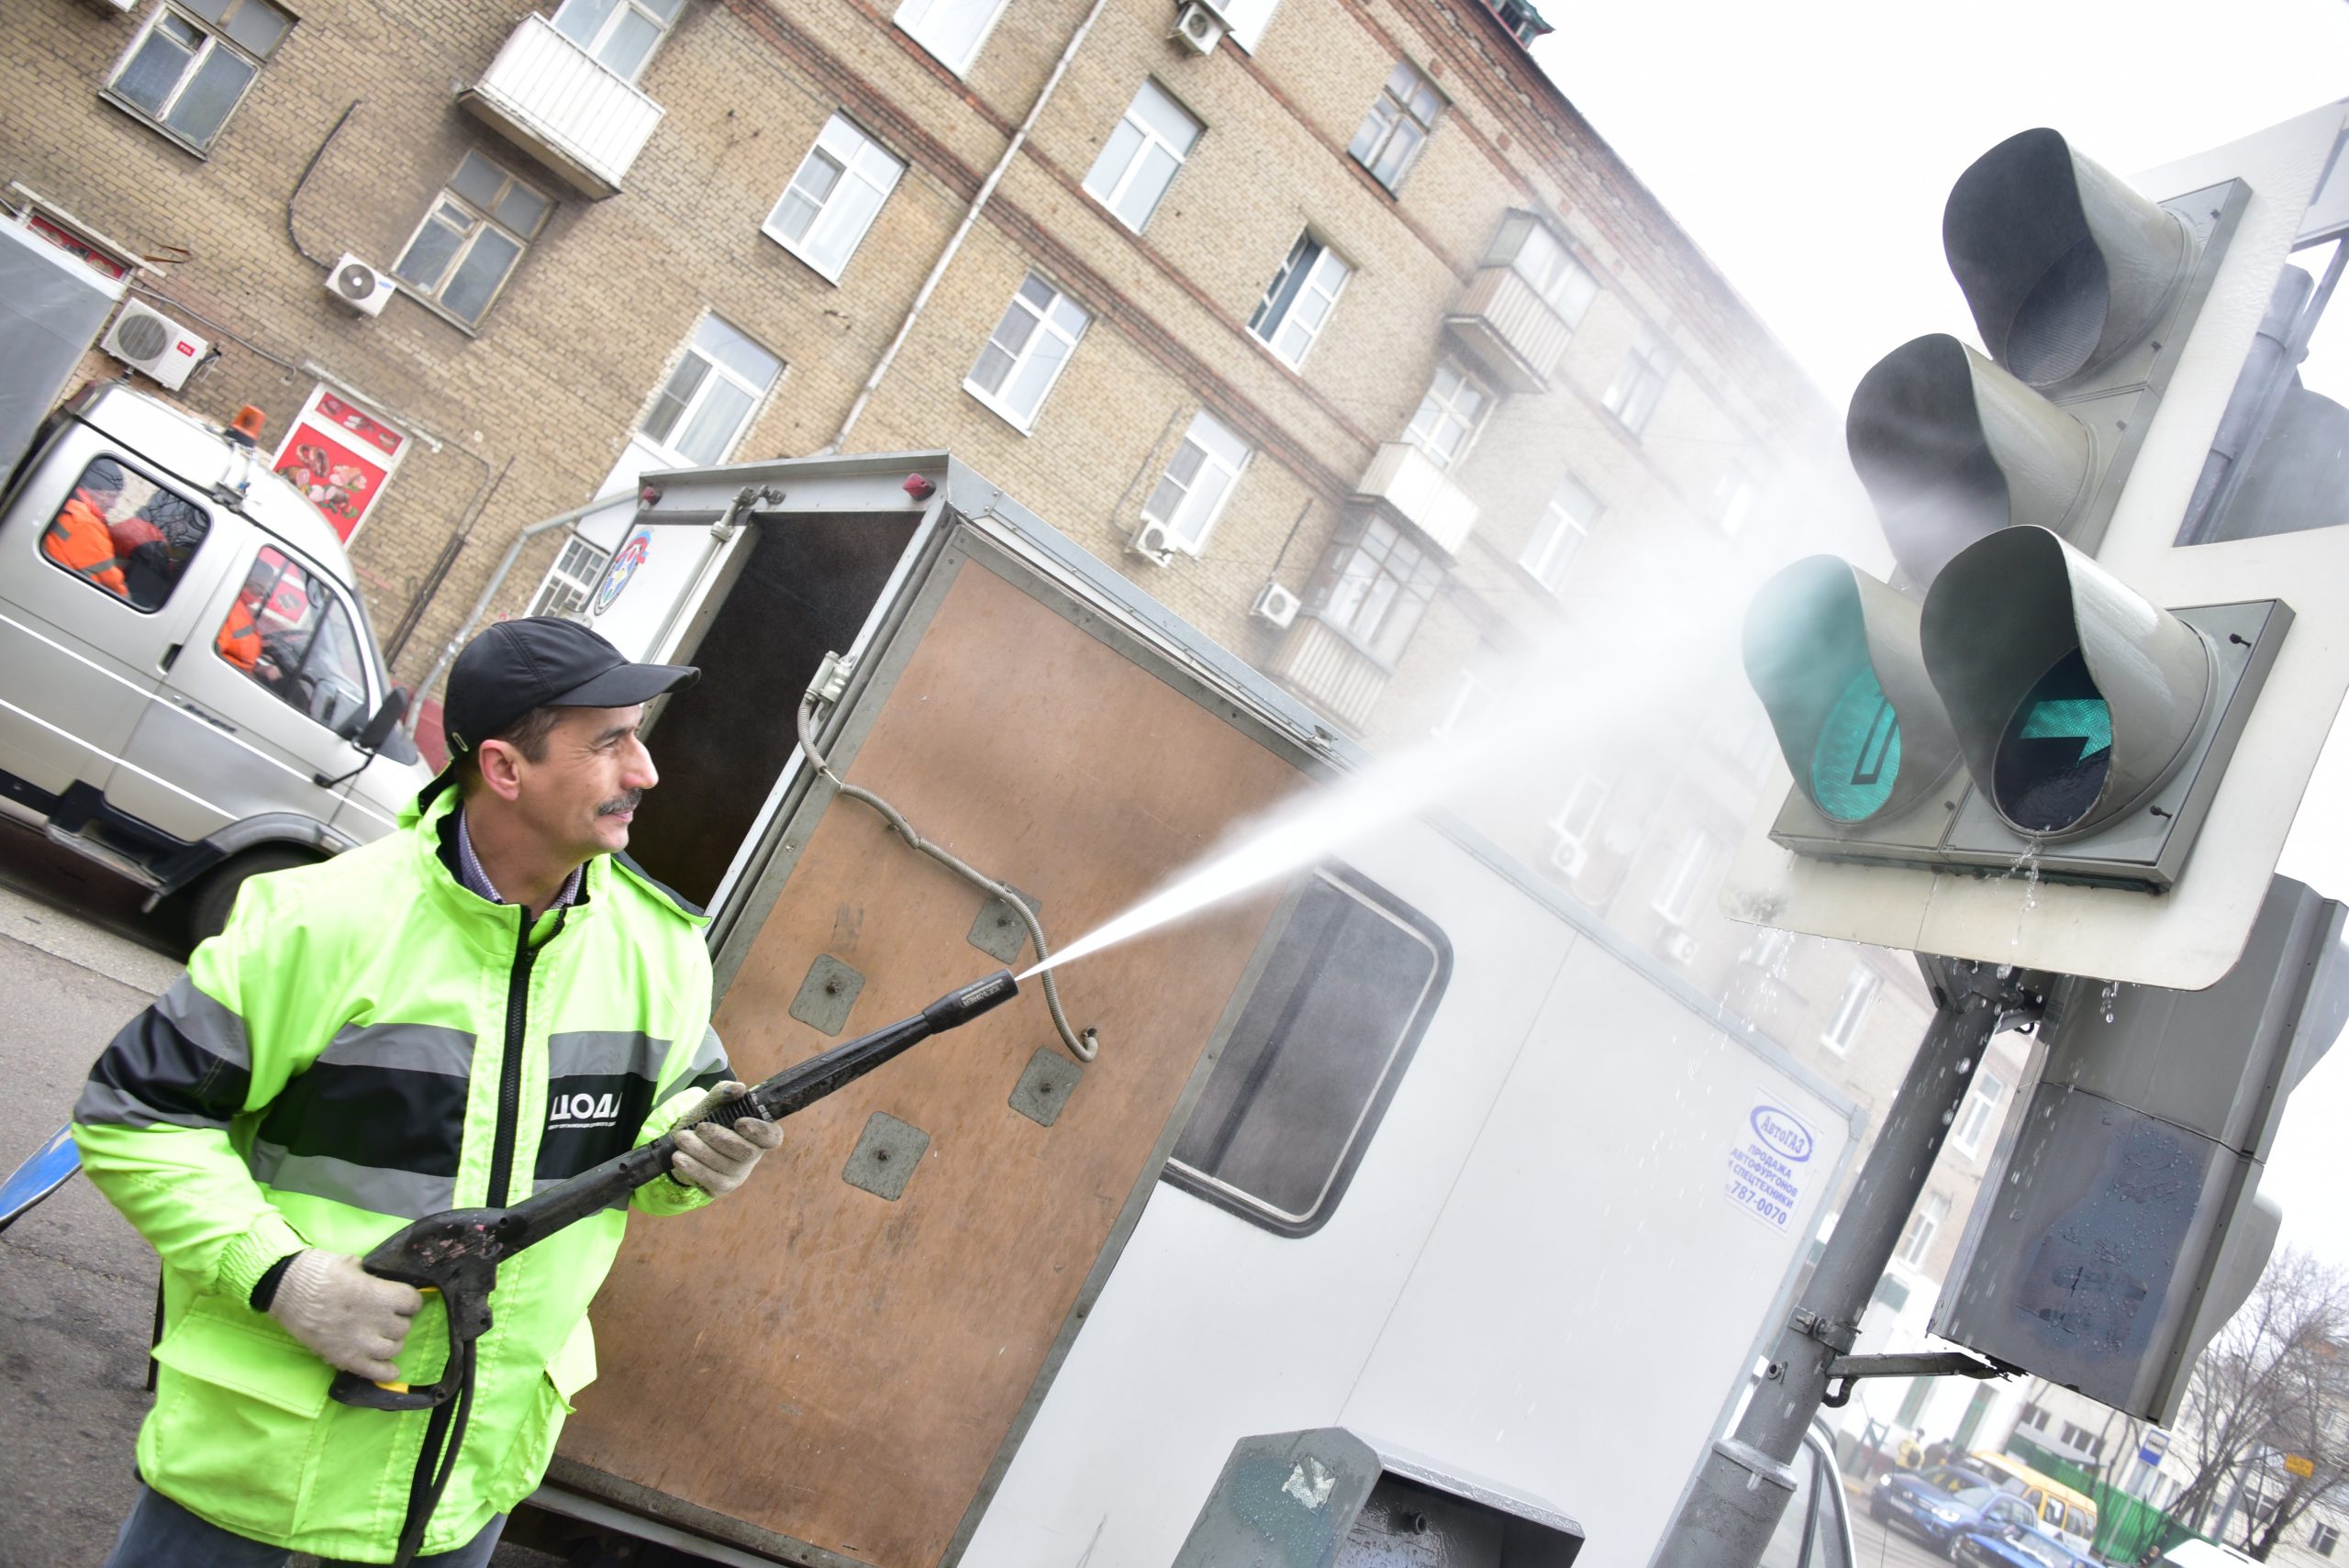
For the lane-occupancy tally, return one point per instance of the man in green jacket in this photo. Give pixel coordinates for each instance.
(488, 1001)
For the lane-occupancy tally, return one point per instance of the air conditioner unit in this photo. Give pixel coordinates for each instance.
(1680, 947)
(1198, 27)
(358, 285)
(150, 341)
(1151, 542)
(1275, 606)
(1568, 857)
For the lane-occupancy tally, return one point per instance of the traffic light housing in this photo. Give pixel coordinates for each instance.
(2121, 1223)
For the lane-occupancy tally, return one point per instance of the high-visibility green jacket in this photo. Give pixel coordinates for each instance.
(367, 1043)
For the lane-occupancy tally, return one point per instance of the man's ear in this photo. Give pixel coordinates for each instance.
(501, 768)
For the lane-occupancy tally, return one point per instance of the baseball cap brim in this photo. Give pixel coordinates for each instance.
(628, 685)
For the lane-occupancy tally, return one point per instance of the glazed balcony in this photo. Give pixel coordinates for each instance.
(553, 100)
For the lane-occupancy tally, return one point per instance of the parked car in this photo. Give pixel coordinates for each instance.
(2062, 1510)
(2014, 1544)
(1943, 1501)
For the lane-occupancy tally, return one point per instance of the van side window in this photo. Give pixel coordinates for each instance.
(125, 535)
(1341, 993)
(288, 632)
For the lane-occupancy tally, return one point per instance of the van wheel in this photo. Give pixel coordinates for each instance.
(210, 904)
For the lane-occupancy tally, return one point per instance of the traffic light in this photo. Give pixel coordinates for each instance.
(2032, 709)
(2121, 1223)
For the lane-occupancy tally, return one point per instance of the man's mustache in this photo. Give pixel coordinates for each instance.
(621, 802)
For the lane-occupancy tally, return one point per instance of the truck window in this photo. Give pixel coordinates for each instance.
(288, 632)
(125, 535)
(1338, 1005)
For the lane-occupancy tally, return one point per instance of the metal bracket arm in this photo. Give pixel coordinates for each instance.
(1846, 1370)
(1837, 1337)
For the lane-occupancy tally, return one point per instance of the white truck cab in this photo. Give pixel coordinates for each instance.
(190, 690)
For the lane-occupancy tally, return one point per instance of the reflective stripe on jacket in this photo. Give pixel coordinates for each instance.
(77, 539)
(332, 1067)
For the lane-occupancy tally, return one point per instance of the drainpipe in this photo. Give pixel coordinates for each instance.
(489, 592)
(946, 258)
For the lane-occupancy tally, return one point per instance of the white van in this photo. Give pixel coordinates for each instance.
(190, 691)
(2204, 1555)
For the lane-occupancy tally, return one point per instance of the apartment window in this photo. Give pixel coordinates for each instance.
(191, 64)
(1375, 585)
(475, 231)
(1297, 305)
(705, 406)
(951, 30)
(1734, 496)
(569, 580)
(2323, 1538)
(1564, 284)
(1851, 1008)
(1197, 483)
(1026, 351)
(1892, 1293)
(1975, 1118)
(1398, 126)
(619, 35)
(1640, 387)
(2035, 1416)
(1338, 1006)
(1448, 415)
(1564, 527)
(1675, 900)
(1140, 160)
(1924, 1224)
(1575, 821)
(823, 214)
(289, 634)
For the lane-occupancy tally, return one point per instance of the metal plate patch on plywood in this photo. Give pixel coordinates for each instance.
(1045, 1085)
(827, 995)
(885, 1158)
(999, 932)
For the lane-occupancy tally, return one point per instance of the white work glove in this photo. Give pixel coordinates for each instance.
(351, 1319)
(716, 1161)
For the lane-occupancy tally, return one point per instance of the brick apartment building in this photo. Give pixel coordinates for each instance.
(1332, 322)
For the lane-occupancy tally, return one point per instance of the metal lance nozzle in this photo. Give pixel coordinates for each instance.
(954, 1011)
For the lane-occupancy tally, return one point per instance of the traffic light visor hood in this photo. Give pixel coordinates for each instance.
(1834, 656)
(2074, 699)
(1952, 447)
(2065, 265)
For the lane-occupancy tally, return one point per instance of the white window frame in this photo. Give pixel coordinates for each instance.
(483, 223)
(1324, 281)
(1110, 188)
(1188, 525)
(216, 37)
(1980, 1113)
(1675, 895)
(715, 371)
(2322, 1537)
(1549, 555)
(1463, 404)
(1247, 20)
(1408, 97)
(862, 161)
(1923, 1225)
(1860, 992)
(1574, 822)
(648, 9)
(1640, 385)
(571, 577)
(1043, 328)
(918, 20)
(1553, 271)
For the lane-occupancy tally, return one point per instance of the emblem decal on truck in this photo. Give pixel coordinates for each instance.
(625, 561)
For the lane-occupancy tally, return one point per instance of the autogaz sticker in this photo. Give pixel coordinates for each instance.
(1770, 1162)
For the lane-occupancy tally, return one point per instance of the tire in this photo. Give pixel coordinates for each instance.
(212, 900)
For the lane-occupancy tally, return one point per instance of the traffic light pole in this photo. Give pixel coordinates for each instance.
(1731, 1510)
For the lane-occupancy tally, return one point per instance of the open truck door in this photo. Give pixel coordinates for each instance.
(1401, 1144)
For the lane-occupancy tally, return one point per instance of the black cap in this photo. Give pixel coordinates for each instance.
(543, 661)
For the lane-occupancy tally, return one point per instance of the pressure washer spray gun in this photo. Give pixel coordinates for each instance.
(457, 1253)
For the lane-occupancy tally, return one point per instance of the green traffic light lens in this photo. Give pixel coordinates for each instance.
(2057, 751)
(1857, 757)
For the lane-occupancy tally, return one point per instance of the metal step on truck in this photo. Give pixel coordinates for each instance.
(1394, 1211)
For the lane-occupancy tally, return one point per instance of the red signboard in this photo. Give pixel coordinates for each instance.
(340, 457)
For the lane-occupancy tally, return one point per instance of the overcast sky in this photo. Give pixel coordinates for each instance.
(1809, 148)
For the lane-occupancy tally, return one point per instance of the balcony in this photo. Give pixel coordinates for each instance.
(549, 96)
(1403, 480)
(1325, 667)
(1509, 328)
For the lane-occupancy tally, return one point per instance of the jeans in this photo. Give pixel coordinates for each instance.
(161, 1534)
